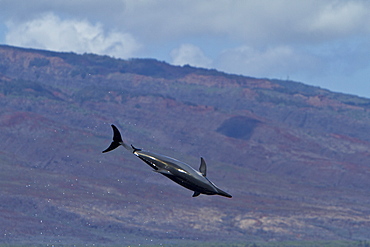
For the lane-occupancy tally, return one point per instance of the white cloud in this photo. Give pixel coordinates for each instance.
(253, 23)
(52, 33)
(341, 18)
(107, 11)
(190, 54)
(257, 38)
(257, 23)
(280, 61)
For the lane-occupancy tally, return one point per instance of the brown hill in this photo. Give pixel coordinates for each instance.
(294, 157)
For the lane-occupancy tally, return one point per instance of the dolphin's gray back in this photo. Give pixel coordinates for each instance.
(162, 161)
(178, 171)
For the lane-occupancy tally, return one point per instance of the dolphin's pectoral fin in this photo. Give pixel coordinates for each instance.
(163, 171)
(196, 193)
(203, 167)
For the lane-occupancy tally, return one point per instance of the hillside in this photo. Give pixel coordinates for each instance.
(295, 158)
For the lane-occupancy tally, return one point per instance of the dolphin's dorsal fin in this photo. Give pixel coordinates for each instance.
(203, 167)
(196, 193)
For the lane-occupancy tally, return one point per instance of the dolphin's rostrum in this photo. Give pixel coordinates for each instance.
(175, 170)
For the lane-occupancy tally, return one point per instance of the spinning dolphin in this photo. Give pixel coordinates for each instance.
(177, 171)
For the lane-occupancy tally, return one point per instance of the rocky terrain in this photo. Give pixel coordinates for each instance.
(295, 158)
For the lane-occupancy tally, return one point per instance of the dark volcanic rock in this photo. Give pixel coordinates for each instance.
(240, 127)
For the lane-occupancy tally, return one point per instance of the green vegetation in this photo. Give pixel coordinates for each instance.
(280, 98)
(39, 62)
(205, 244)
(352, 100)
(26, 89)
(272, 244)
(290, 87)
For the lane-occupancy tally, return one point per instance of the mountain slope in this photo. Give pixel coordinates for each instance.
(294, 157)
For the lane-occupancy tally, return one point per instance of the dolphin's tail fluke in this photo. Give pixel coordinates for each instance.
(117, 141)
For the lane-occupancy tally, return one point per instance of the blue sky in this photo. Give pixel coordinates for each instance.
(320, 43)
